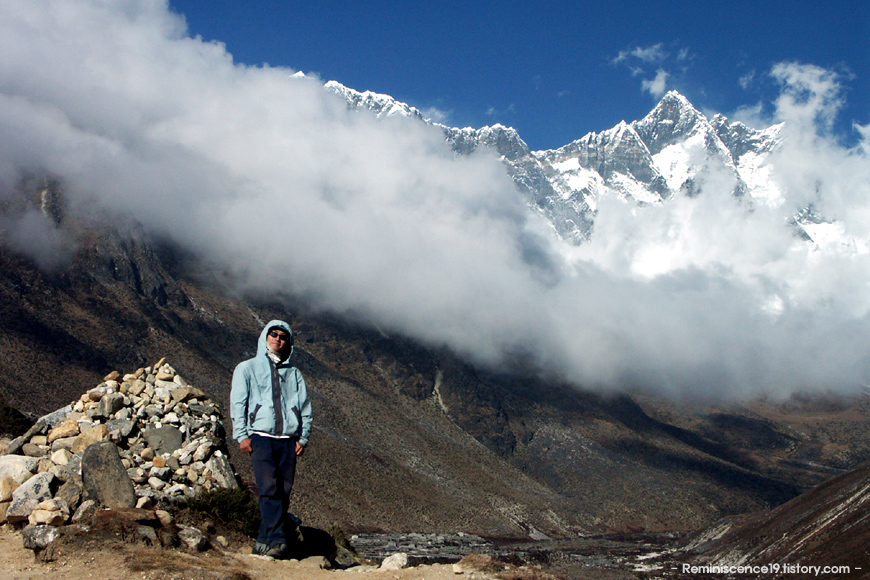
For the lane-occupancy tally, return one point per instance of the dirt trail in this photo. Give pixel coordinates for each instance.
(118, 561)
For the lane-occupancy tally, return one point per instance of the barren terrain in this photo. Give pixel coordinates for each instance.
(115, 560)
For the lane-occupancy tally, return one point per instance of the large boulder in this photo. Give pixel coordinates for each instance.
(105, 478)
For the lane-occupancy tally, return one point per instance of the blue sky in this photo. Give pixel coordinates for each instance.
(555, 70)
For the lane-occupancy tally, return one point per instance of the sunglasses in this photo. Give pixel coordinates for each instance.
(279, 335)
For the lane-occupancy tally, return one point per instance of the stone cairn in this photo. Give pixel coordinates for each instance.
(143, 440)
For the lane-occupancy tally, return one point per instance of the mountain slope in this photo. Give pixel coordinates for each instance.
(406, 438)
(825, 527)
(415, 438)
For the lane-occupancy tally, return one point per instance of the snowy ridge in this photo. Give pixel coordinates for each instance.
(674, 150)
(381, 105)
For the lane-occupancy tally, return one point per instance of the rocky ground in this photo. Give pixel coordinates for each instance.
(107, 554)
(115, 560)
(96, 554)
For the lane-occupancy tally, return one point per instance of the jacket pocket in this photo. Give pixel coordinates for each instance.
(253, 415)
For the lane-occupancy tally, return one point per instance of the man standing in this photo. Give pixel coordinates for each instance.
(271, 415)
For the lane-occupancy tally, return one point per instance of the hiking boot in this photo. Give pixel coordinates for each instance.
(260, 549)
(278, 551)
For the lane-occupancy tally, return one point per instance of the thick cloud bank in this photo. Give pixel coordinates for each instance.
(273, 177)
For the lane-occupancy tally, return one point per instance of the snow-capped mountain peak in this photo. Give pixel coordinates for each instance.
(674, 150)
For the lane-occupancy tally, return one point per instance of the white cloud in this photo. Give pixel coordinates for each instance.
(649, 54)
(34, 235)
(272, 177)
(653, 60)
(658, 85)
(435, 115)
(807, 90)
(864, 132)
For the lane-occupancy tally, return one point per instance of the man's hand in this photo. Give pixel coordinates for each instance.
(245, 446)
(300, 449)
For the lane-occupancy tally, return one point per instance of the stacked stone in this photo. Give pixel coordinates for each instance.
(166, 434)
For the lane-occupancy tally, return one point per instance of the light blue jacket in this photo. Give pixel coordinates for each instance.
(251, 406)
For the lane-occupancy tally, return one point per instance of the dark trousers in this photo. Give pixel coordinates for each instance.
(274, 463)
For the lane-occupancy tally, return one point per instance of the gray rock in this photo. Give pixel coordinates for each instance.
(137, 475)
(202, 452)
(163, 473)
(61, 457)
(205, 410)
(71, 493)
(111, 403)
(395, 562)
(156, 483)
(163, 440)
(192, 538)
(104, 477)
(56, 417)
(85, 512)
(222, 471)
(123, 426)
(39, 428)
(39, 537)
(148, 534)
(73, 470)
(31, 450)
(18, 467)
(180, 489)
(28, 495)
(63, 443)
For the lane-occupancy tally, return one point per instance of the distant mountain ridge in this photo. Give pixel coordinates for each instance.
(672, 151)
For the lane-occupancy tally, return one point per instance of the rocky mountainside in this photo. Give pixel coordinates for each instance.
(672, 151)
(407, 438)
(822, 532)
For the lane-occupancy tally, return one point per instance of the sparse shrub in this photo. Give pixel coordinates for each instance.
(340, 537)
(235, 508)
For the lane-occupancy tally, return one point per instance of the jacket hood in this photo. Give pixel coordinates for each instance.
(262, 347)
